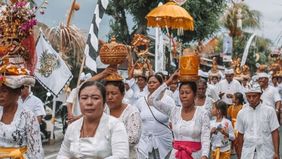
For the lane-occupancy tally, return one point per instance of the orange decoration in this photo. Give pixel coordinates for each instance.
(113, 54)
(189, 65)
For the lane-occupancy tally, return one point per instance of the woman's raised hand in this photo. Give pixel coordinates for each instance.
(173, 77)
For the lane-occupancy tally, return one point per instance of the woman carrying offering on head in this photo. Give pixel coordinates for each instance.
(190, 123)
(19, 128)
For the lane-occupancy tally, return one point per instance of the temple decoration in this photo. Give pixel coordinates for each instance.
(16, 32)
(189, 65)
(140, 44)
(172, 16)
(113, 53)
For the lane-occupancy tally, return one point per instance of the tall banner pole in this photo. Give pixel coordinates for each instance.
(53, 120)
(157, 50)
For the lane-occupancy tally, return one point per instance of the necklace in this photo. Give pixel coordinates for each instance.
(84, 132)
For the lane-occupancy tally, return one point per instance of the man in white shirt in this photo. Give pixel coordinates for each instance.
(257, 126)
(32, 103)
(227, 87)
(270, 95)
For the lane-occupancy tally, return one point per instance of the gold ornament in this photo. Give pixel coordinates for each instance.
(113, 53)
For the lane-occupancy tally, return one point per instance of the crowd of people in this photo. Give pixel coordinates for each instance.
(155, 117)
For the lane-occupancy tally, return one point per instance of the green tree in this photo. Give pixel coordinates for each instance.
(205, 14)
(260, 46)
(250, 20)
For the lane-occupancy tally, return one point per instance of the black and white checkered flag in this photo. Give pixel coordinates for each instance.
(91, 49)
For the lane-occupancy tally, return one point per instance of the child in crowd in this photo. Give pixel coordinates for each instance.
(221, 132)
(233, 110)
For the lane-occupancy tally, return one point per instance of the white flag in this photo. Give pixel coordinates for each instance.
(51, 70)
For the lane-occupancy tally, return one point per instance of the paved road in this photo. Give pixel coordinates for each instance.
(52, 149)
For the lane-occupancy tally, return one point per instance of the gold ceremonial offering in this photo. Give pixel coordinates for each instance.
(113, 53)
(189, 65)
(140, 45)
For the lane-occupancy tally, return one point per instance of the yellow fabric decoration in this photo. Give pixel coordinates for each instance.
(216, 154)
(10, 152)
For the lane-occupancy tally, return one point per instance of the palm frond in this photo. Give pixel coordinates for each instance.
(71, 41)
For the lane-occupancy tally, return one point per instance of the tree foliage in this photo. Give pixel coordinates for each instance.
(260, 46)
(250, 19)
(205, 13)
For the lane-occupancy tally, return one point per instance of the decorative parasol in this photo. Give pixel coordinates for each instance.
(170, 15)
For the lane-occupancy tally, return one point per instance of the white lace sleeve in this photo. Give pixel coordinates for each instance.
(34, 144)
(156, 99)
(205, 133)
(133, 128)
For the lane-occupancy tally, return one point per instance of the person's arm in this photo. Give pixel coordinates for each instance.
(119, 142)
(274, 125)
(70, 114)
(277, 100)
(34, 144)
(239, 144)
(275, 140)
(156, 100)
(240, 136)
(109, 70)
(278, 106)
(229, 133)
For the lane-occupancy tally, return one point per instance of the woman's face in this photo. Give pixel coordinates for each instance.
(8, 96)
(214, 111)
(201, 90)
(91, 102)
(114, 96)
(153, 84)
(186, 95)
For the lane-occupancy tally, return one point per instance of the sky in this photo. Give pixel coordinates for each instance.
(57, 10)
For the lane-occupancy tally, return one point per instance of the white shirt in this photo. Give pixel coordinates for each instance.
(197, 129)
(270, 96)
(33, 104)
(22, 131)
(211, 92)
(176, 97)
(109, 142)
(154, 135)
(220, 140)
(208, 105)
(132, 121)
(228, 88)
(128, 97)
(73, 99)
(137, 92)
(257, 125)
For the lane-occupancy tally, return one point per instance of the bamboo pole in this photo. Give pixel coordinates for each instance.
(80, 70)
(70, 13)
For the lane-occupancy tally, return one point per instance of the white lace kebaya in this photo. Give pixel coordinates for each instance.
(195, 130)
(132, 121)
(22, 131)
